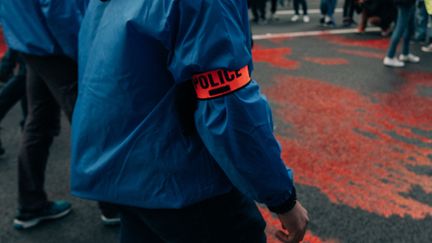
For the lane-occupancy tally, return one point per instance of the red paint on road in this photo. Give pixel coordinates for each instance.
(345, 41)
(3, 46)
(277, 57)
(367, 54)
(327, 61)
(343, 143)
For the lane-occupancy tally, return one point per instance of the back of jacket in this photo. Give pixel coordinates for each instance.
(42, 27)
(129, 140)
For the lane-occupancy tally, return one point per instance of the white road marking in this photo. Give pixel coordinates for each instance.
(310, 11)
(310, 33)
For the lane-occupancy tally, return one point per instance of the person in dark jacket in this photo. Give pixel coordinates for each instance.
(51, 87)
(381, 13)
(404, 28)
(45, 33)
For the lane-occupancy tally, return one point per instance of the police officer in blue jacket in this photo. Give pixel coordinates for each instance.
(169, 124)
(46, 34)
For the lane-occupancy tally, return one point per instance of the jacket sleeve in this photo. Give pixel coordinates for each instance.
(236, 128)
(63, 19)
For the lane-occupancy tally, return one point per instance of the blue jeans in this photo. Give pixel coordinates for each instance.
(227, 218)
(422, 18)
(328, 7)
(404, 27)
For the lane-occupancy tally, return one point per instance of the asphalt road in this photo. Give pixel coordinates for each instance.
(357, 134)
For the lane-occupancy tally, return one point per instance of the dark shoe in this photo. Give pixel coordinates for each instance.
(322, 21)
(348, 23)
(330, 24)
(110, 219)
(54, 210)
(2, 151)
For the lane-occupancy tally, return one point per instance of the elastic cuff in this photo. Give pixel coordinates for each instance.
(287, 205)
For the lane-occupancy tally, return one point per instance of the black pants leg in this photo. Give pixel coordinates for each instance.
(296, 6)
(254, 7)
(348, 11)
(227, 218)
(51, 86)
(273, 6)
(262, 4)
(12, 92)
(108, 209)
(304, 7)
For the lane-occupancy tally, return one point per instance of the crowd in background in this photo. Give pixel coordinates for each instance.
(399, 18)
(380, 13)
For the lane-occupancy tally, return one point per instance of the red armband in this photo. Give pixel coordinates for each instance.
(220, 82)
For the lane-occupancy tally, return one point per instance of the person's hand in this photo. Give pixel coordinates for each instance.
(295, 223)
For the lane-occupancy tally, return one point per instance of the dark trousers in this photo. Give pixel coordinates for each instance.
(296, 5)
(258, 9)
(12, 92)
(348, 11)
(108, 209)
(273, 8)
(51, 86)
(227, 218)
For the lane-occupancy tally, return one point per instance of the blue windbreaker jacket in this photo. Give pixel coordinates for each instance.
(42, 27)
(128, 143)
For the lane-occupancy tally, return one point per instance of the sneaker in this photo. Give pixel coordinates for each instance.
(322, 21)
(262, 21)
(427, 48)
(409, 58)
(330, 23)
(54, 210)
(110, 219)
(306, 19)
(386, 33)
(294, 18)
(2, 151)
(393, 62)
(347, 23)
(273, 18)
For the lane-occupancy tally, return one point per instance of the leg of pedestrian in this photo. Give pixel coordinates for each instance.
(42, 125)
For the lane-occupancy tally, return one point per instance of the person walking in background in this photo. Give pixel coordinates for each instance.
(13, 89)
(404, 28)
(51, 87)
(258, 8)
(381, 13)
(296, 16)
(428, 6)
(421, 25)
(327, 8)
(348, 13)
(178, 133)
(273, 9)
(51, 83)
